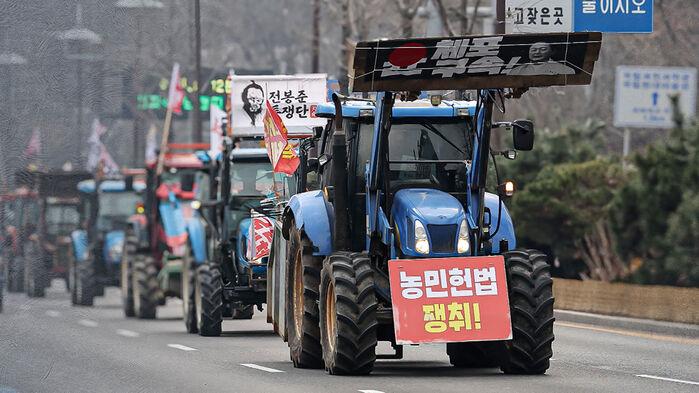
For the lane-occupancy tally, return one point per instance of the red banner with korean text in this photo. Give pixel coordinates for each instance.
(260, 237)
(282, 156)
(450, 300)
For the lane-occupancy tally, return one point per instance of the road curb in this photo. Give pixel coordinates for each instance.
(643, 325)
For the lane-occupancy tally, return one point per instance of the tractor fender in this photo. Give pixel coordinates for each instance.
(311, 215)
(80, 245)
(507, 229)
(197, 238)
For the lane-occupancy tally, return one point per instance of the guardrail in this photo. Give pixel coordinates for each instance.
(663, 303)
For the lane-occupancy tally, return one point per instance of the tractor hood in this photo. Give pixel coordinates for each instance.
(440, 214)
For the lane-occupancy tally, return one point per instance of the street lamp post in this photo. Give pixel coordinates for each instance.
(137, 8)
(8, 60)
(198, 135)
(78, 39)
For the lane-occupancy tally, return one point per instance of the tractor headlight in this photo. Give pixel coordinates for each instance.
(422, 244)
(463, 245)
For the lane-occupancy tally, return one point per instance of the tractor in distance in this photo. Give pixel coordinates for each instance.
(106, 208)
(234, 282)
(47, 249)
(168, 242)
(405, 241)
(20, 215)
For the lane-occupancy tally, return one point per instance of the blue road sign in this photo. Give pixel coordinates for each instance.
(614, 16)
(642, 96)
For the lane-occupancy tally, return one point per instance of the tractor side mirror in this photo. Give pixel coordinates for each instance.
(317, 132)
(523, 134)
(312, 164)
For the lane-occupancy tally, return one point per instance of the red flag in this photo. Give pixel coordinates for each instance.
(34, 146)
(284, 159)
(175, 94)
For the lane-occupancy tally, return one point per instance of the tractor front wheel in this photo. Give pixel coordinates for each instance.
(35, 271)
(83, 282)
(189, 311)
(348, 314)
(146, 290)
(127, 277)
(303, 284)
(531, 309)
(15, 274)
(209, 300)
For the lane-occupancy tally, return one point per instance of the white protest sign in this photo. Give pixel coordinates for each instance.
(294, 97)
(642, 96)
(538, 16)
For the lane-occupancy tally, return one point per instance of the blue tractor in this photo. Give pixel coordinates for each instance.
(405, 179)
(106, 206)
(234, 282)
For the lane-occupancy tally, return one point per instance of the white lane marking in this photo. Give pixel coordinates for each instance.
(88, 323)
(53, 313)
(263, 368)
(667, 379)
(127, 333)
(182, 347)
(370, 391)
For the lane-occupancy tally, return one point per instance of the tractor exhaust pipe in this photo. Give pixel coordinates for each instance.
(339, 167)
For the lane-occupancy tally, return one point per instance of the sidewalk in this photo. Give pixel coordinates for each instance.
(643, 325)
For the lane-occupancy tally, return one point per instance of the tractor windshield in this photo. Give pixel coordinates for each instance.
(430, 153)
(115, 208)
(252, 179)
(61, 219)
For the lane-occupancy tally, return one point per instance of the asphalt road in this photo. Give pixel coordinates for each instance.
(48, 346)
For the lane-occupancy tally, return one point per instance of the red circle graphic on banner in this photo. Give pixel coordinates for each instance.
(407, 54)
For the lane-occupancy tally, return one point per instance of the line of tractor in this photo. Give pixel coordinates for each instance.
(388, 230)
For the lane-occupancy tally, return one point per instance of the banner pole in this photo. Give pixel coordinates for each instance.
(163, 142)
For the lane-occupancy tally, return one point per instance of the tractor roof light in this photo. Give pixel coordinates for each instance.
(422, 244)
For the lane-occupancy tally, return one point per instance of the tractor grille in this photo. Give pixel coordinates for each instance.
(443, 237)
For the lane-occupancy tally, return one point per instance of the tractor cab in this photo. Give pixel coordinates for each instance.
(427, 154)
(106, 209)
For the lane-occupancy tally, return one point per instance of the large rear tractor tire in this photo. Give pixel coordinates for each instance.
(470, 355)
(35, 271)
(209, 300)
(146, 290)
(531, 309)
(15, 274)
(189, 311)
(303, 316)
(126, 279)
(83, 288)
(348, 314)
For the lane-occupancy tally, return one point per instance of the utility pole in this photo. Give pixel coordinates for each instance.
(315, 66)
(197, 135)
(499, 22)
